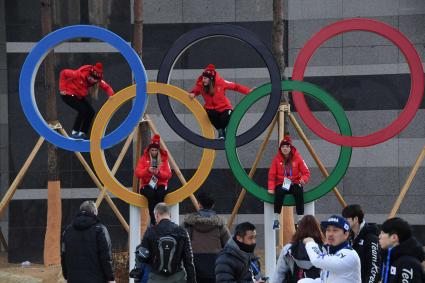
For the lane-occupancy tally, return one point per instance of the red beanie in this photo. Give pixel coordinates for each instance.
(286, 140)
(209, 72)
(97, 70)
(155, 142)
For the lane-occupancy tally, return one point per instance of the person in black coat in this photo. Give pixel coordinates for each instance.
(181, 257)
(86, 248)
(237, 262)
(402, 255)
(365, 242)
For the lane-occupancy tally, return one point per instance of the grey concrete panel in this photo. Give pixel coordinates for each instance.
(162, 11)
(370, 55)
(366, 8)
(204, 11)
(417, 186)
(322, 57)
(382, 181)
(409, 150)
(363, 38)
(372, 204)
(302, 30)
(310, 9)
(328, 205)
(416, 128)
(420, 48)
(412, 27)
(412, 205)
(3, 56)
(411, 7)
(253, 10)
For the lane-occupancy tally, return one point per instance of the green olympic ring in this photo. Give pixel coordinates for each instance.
(321, 95)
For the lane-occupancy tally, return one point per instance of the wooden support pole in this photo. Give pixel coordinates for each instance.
(12, 189)
(99, 185)
(286, 215)
(117, 164)
(173, 163)
(406, 185)
(252, 172)
(315, 156)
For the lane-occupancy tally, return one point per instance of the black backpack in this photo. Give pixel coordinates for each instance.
(167, 259)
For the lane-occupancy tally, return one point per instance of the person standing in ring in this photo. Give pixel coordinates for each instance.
(154, 171)
(74, 86)
(288, 174)
(213, 89)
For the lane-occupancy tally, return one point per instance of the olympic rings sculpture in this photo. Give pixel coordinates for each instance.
(98, 143)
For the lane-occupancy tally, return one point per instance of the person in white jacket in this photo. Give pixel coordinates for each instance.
(340, 263)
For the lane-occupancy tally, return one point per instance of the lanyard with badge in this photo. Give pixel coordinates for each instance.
(286, 181)
(154, 179)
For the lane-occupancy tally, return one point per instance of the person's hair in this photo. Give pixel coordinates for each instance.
(308, 227)
(206, 200)
(209, 89)
(242, 228)
(399, 227)
(353, 210)
(162, 209)
(158, 157)
(89, 206)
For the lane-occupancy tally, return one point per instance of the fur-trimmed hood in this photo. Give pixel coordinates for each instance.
(204, 221)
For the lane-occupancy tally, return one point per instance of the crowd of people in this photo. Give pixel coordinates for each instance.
(343, 249)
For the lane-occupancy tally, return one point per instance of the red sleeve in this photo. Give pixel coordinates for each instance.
(272, 175)
(107, 88)
(165, 171)
(305, 172)
(141, 169)
(196, 90)
(236, 87)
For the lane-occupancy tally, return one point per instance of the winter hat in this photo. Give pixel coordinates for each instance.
(155, 142)
(97, 70)
(209, 72)
(287, 141)
(337, 221)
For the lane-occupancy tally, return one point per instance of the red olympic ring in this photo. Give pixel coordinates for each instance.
(416, 89)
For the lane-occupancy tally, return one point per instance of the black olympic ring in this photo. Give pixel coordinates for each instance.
(192, 37)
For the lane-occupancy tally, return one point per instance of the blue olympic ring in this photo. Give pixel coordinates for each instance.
(39, 52)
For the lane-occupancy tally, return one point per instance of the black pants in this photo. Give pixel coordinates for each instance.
(220, 120)
(85, 113)
(279, 196)
(154, 196)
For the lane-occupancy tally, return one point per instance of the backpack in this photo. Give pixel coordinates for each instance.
(167, 255)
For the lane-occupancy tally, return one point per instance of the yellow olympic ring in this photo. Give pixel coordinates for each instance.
(98, 156)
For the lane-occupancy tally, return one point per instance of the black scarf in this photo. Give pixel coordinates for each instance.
(244, 247)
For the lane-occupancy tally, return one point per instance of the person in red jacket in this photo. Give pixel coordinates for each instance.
(288, 174)
(74, 86)
(213, 89)
(154, 172)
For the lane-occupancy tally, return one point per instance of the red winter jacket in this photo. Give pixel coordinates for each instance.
(296, 165)
(218, 101)
(142, 169)
(74, 82)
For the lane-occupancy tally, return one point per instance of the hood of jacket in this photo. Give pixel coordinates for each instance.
(410, 247)
(84, 220)
(299, 254)
(367, 230)
(293, 153)
(204, 220)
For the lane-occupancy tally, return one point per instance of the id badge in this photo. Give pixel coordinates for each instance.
(286, 184)
(153, 181)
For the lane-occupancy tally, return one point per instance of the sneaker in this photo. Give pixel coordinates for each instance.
(276, 225)
(76, 136)
(83, 136)
(221, 134)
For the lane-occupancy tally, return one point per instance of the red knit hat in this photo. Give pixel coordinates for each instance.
(97, 70)
(155, 142)
(286, 140)
(209, 72)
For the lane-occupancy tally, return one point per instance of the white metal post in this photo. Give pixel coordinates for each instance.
(134, 236)
(175, 214)
(269, 240)
(309, 208)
